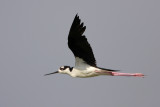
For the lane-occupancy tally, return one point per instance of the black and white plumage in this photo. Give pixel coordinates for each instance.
(78, 43)
(85, 63)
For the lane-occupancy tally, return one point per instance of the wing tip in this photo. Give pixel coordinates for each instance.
(77, 16)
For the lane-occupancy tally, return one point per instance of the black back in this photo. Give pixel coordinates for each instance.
(78, 43)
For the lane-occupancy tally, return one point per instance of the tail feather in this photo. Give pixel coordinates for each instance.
(108, 69)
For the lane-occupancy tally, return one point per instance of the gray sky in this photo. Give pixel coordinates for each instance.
(124, 35)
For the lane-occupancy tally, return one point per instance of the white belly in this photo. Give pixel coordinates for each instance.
(83, 73)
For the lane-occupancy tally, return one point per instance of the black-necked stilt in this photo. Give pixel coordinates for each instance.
(85, 63)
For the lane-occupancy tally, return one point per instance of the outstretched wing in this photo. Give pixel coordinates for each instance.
(78, 43)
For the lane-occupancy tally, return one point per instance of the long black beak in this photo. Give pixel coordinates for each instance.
(51, 73)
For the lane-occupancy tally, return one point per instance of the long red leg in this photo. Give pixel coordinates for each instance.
(127, 74)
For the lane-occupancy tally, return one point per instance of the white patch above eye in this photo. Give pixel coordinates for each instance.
(62, 67)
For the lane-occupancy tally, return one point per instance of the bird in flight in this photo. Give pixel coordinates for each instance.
(85, 63)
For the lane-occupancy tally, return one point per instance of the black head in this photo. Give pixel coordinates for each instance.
(63, 70)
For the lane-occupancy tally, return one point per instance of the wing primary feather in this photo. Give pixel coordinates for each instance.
(78, 43)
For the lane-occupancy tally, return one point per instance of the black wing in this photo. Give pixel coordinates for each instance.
(78, 43)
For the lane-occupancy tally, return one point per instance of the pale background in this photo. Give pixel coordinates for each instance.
(124, 35)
